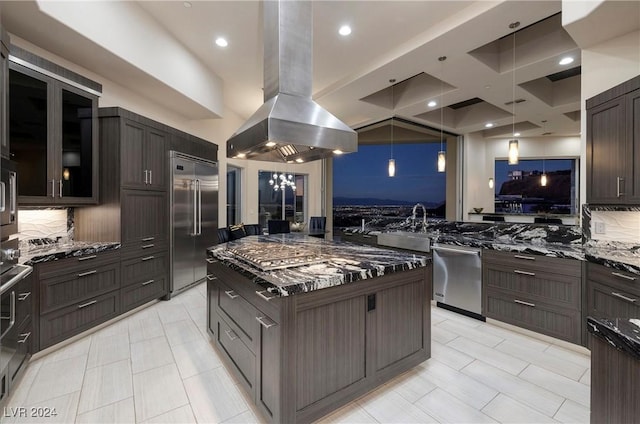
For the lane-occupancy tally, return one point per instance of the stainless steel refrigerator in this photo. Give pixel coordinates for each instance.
(194, 217)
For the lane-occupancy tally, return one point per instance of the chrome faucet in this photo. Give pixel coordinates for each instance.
(424, 217)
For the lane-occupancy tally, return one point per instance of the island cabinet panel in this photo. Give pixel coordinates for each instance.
(302, 356)
(538, 293)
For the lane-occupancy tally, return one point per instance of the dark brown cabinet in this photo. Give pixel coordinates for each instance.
(613, 145)
(53, 138)
(299, 357)
(144, 219)
(539, 293)
(143, 156)
(4, 93)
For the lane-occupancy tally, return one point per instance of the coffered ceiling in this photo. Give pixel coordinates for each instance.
(399, 40)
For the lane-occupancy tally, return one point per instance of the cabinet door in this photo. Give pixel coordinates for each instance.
(633, 155)
(605, 301)
(144, 218)
(4, 94)
(134, 172)
(268, 372)
(607, 178)
(156, 159)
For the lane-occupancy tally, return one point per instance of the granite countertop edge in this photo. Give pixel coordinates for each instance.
(53, 253)
(622, 334)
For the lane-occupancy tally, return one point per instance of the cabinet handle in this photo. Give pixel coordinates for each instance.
(148, 246)
(618, 193)
(231, 334)
(626, 277)
(623, 297)
(23, 296)
(263, 323)
(84, 305)
(148, 239)
(528, 258)
(231, 294)
(146, 177)
(84, 274)
(146, 283)
(26, 336)
(150, 177)
(517, 271)
(261, 294)
(533, 305)
(53, 188)
(211, 277)
(148, 258)
(211, 260)
(60, 188)
(86, 258)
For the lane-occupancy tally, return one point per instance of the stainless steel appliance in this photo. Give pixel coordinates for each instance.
(14, 293)
(270, 256)
(194, 217)
(457, 279)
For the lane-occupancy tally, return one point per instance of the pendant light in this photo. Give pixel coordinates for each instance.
(543, 178)
(491, 183)
(392, 161)
(513, 143)
(442, 158)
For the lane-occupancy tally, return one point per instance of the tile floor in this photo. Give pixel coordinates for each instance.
(156, 366)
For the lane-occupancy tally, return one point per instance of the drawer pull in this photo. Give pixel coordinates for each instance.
(84, 305)
(146, 283)
(533, 305)
(623, 297)
(211, 277)
(626, 277)
(211, 260)
(231, 334)
(262, 295)
(26, 336)
(528, 258)
(517, 271)
(148, 258)
(86, 258)
(148, 239)
(84, 274)
(23, 296)
(148, 246)
(263, 323)
(231, 294)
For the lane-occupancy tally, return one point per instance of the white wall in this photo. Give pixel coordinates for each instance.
(481, 153)
(216, 131)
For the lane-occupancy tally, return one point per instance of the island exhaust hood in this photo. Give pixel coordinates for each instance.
(290, 126)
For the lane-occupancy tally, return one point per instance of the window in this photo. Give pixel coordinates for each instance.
(519, 189)
(363, 190)
(233, 195)
(271, 202)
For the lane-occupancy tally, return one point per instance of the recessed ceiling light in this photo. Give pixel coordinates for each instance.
(270, 143)
(488, 125)
(516, 134)
(338, 152)
(432, 103)
(344, 30)
(299, 160)
(241, 155)
(566, 60)
(187, 4)
(222, 42)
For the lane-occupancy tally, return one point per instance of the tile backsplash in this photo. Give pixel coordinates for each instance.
(45, 223)
(619, 224)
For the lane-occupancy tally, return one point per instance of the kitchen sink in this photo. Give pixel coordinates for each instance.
(420, 242)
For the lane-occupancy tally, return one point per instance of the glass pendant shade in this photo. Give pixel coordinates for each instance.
(543, 180)
(442, 161)
(392, 167)
(491, 183)
(513, 152)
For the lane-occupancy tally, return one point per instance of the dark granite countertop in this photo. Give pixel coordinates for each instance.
(54, 252)
(342, 263)
(621, 333)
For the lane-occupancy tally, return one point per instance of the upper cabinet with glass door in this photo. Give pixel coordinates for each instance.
(53, 129)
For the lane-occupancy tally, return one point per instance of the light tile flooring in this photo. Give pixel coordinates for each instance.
(156, 366)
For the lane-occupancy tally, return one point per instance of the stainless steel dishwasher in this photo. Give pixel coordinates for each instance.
(457, 279)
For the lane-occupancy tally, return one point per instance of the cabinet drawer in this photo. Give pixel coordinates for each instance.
(24, 300)
(140, 269)
(625, 281)
(64, 323)
(541, 286)
(235, 309)
(72, 288)
(605, 301)
(140, 293)
(533, 263)
(241, 357)
(562, 323)
(22, 342)
(77, 264)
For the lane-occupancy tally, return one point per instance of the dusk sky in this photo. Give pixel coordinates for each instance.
(364, 173)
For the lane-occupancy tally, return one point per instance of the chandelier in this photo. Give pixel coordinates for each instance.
(282, 181)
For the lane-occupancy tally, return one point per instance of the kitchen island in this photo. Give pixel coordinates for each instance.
(307, 325)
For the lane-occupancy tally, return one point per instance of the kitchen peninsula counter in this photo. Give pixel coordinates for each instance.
(306, 325)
